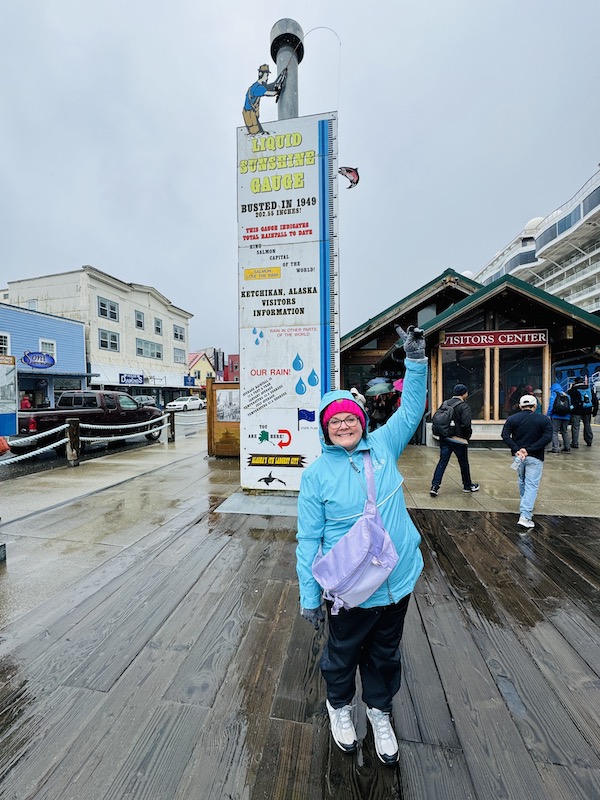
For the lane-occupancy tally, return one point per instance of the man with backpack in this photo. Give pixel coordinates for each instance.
(452, 424)
(559, 411)
(584, 406)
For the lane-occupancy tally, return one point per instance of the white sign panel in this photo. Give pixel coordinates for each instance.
(288, 286)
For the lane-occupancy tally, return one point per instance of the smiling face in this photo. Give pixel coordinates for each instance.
(344, 430)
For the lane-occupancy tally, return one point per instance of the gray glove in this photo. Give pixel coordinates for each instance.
(314, 615)
(412, 340)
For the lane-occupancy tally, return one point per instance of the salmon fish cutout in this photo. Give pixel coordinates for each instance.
(351, 173)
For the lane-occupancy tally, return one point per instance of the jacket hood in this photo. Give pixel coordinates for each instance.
(329, 397)
(556, 387)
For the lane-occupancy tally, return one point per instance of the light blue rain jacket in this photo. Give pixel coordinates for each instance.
(333, 491)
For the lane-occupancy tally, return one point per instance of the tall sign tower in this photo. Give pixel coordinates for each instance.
(288, 273)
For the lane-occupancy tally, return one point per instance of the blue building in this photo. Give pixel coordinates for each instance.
(49, 353)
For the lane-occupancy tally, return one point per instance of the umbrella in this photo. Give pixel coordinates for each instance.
(373, 381)
(379, 388)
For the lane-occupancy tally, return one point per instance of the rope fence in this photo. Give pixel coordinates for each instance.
(75, 439)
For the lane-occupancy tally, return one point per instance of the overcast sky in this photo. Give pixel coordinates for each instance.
(465, 118)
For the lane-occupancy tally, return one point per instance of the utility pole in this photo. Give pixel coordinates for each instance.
(287, 51)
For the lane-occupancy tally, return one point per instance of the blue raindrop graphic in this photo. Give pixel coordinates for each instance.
(257, 341)
(261, 334)
(254, 331)
(313, 379)
(297, 364)
(300, 387)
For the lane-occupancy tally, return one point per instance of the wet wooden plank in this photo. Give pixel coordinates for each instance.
(300, 692)
(122, 625)
(563, 783)
(109, 733)
(496, 756)
(158, 759)
(582, 634)
(434, 773)
(422, 681)
(201, 674)
(574, 539)
(35, 631)
(461, 577)
(571, 680)
(286, 766)
(549, 733)
(35, 732)
(230, 746)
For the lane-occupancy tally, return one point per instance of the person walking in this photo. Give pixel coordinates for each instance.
(537, 393)
(527, 434)
(584, 406)
(559, 411)
(332, 496)
(457, 442)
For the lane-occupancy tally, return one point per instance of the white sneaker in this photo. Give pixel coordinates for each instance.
(342, 727)
(386, 743)
(526, 523)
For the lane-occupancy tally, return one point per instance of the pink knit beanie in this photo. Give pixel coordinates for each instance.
(343, 407)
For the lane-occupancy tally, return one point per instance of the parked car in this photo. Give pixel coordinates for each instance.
(144, 400)
(186, 403)
(93, 407)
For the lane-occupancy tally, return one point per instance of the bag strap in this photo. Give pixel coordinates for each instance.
(369, 475)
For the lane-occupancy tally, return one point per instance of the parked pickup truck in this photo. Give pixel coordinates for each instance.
(91, 407)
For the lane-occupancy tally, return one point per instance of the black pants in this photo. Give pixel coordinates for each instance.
(367, 638)
(460, 450)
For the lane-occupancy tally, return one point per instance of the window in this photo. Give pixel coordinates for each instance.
(465, 366)
(107, 340)
(108, 309)
(128, 403)
(178, 355)
(139, 319)
(32, 305)
(148, 349)
(178, 333)
(48, 346)
(520, 373)
(4, 344)
(157, 326)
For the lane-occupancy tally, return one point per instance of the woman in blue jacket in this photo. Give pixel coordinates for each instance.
(331, 499)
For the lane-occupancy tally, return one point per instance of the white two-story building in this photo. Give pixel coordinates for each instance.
(136, 339)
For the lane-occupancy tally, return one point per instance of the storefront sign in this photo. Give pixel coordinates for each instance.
(38, 360)
(131, 380)
(288, 308)
(478, 339)
(188, 380)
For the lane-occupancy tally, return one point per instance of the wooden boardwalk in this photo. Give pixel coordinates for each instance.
(180, 669)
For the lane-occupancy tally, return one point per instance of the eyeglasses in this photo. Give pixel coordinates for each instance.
(350, 421)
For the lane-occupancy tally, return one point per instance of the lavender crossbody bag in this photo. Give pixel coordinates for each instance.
(361, 560)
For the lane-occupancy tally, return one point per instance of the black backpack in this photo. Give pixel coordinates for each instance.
(562, 404)
(442, 422)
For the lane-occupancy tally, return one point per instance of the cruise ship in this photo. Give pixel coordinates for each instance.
(559, 253)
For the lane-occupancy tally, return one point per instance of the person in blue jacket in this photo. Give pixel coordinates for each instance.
(560, 420)
(332, 496)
